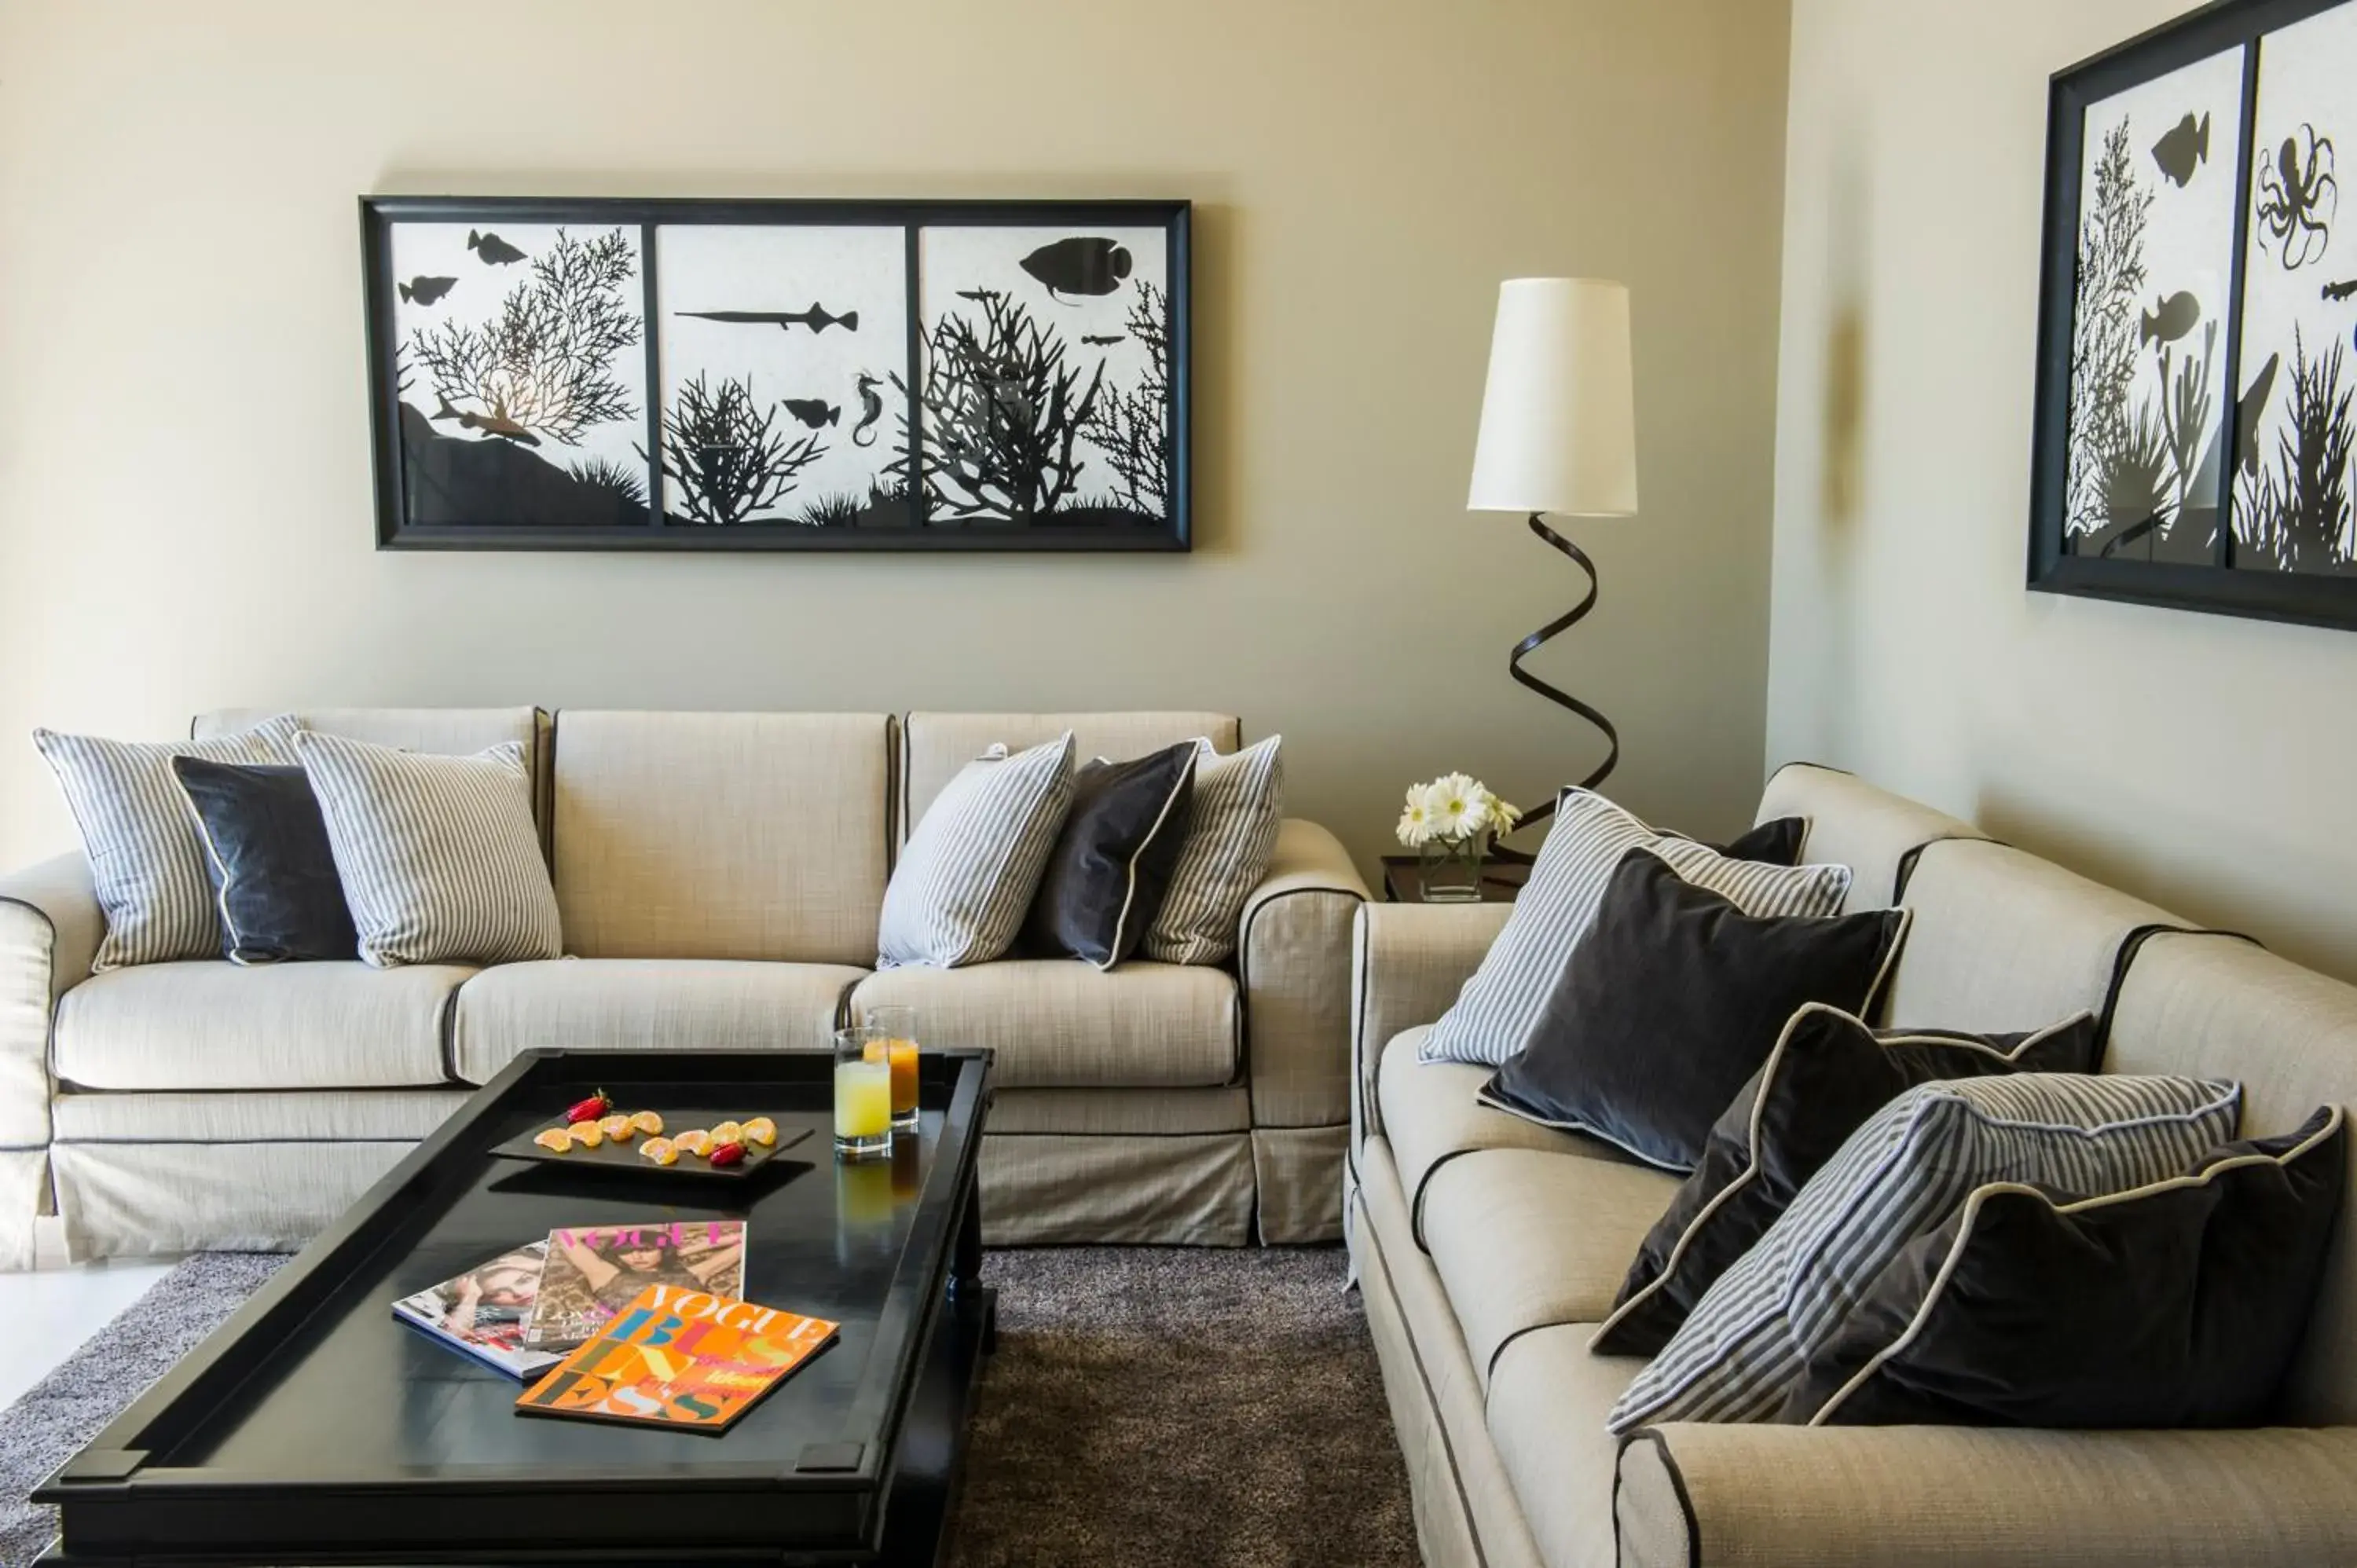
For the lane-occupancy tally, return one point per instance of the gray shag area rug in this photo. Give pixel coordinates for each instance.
(1146, 1405)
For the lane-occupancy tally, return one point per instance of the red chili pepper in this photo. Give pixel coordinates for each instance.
(728, 1155)
(589, 1109)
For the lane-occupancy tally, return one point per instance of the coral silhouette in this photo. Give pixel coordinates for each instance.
(726, 459)
(545, 364)
(1001, 411)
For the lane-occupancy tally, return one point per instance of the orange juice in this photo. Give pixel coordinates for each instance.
(902, 1056)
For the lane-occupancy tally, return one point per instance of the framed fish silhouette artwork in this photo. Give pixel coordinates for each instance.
(2196, 437)
(779, 374)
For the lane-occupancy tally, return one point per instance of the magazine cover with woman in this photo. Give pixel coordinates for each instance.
(593, 1272)
(482, 1312)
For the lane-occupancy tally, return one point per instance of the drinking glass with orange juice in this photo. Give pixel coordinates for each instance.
(894, 1031)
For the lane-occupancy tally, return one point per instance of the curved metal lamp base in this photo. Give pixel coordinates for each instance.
(1531, 645)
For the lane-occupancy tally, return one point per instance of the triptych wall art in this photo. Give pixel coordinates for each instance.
(2197, 396)
(778, 375)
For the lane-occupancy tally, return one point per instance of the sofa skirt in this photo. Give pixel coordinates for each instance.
(1176, 1189)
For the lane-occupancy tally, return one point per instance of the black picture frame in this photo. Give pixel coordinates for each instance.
(1076, 527)
(2215, 585)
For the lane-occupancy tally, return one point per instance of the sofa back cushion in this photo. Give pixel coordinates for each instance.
(934, 747)
(448, 732)
(2217, 1005)
(1853, 823)
(2004, 941)
(721, 836)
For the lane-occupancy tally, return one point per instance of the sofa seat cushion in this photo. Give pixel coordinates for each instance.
(314, 1115)
(645, 1005)
(1432, 1113)
(208, 1024)
(1056, 1023)
(1525, 1239)
(1545, 1411)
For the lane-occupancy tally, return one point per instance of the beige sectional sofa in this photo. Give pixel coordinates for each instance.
(1489, 1248)
(720, 878)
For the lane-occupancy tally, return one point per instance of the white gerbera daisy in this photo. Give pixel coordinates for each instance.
(1455, 801)
(1415, 823)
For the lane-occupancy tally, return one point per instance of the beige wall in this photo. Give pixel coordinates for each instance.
(2204, 762)
(185, 512)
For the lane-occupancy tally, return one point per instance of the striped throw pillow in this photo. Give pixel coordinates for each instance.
(971, 864)
(438, 856)
(1750, 1338)
(1231, 838)
(146, 859)
(1494, 1015)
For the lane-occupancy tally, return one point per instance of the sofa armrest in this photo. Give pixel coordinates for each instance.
(1911, 1497)
(50, 930)
(1407, 965)
(1293, 963)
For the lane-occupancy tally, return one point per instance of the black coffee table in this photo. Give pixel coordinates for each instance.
(314, 1429)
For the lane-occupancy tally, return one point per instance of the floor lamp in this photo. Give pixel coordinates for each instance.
(1558, 434)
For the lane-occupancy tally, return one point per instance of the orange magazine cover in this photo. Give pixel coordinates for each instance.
(678, 1357)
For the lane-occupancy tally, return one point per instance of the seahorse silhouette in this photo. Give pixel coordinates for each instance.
(872, 409)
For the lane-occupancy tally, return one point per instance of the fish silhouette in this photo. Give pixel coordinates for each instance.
(1094, 339)
(2184, 149)
(980, 295)
(493, 249)
(2335, 293)
(814, 411)
(1078, 265)
(871, 405)
(498, 424)
(2247, 412)
(816, 318)
(425, 291)
(2172, 319)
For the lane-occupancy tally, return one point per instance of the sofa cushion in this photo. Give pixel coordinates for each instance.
(1058, 1024)
(207, 1024)
(1851, 822)
(645, 1005)
(2006, 941)
(721, 836)
(934, 747)
(1432, 1113)
(2220, 1006)
(292, 1116)
(1545, 1413)
(1525, 1239)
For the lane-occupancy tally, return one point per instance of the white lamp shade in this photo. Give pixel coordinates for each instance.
(1559, 417)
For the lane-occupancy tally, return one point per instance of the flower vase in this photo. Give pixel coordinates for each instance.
(1450, 870)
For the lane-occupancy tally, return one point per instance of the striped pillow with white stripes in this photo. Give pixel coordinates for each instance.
(1494, 1016)
(966, 878)
(1231, 838)
(438, 856)
(1749, 1340)
(147, 861)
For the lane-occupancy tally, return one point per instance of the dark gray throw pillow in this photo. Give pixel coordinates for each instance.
(1111, 867)
(272, 870)
(1828, 1073)
(1670, 1004)
(1774, 843)
(2180, 1303)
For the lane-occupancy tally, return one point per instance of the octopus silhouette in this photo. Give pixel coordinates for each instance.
(2297, 198)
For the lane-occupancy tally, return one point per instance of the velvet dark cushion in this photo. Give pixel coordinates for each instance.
(1776, 842)
(1670, 1004)
(273, 872)
(1828, 1073)
(1111, 867)
(2177, 1304)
